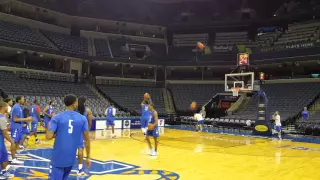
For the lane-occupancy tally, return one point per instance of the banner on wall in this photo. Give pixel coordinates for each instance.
(126, 124)
(222, 49)
(290, 46)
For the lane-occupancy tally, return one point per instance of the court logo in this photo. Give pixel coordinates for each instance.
(261, 128)
(36, 166)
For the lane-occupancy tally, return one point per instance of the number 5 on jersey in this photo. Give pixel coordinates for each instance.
(70, 130)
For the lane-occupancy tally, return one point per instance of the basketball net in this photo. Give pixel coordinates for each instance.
(235, 91)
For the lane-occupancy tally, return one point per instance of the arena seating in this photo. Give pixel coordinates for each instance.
(184, 94)
(300, 33)
(102, 48)
(21, 34)
(50, 90)
(67, 43)
(267, 39)
(131, 96)
(287, 98)
(234, 38)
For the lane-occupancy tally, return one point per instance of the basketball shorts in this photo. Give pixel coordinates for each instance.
(110, 122)
(144, 122)
(3, 155)
(59, 173)
(200, 122)
(25, 130)
(81, 143)
(46, 123)
(154, 133)
(16, 135)
(278, 128)
(34, 127)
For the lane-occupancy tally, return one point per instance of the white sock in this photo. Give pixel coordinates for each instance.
(80, 166)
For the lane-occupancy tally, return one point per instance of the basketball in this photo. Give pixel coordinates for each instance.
(146, 96)
(193, 105)
(150, 127)
(200, 45)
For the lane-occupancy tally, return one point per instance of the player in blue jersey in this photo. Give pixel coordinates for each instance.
(16, 127)
(4, 135)
(110, 115)
(86, 112)
(153, 130)
(48, 112)
(25, 125)
(67, 128)
(145, 115)
(35, 113)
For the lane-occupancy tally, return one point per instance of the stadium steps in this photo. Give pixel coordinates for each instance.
(91, 47)
(48, 41)
(169, 104)
(239, 104)
(109, 47)
(96, 92)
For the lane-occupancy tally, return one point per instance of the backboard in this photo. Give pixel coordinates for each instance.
(244, 81)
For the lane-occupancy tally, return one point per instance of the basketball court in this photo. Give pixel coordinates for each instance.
(185, 154)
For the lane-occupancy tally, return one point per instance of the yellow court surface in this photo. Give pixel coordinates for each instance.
(188, 155)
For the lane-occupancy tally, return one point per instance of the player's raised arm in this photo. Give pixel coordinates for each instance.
(90, 117)
(86, 137)
(50, 134)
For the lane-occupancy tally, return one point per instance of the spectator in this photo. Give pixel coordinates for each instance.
(305, 114)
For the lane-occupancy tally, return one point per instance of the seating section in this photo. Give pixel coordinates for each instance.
(234, 38)
(184, 94)
(102, 48)
(22, 34)
(300, 33)
(131, 96)
(267, 39)
(47, 90)
(69, 44)
(288, 103)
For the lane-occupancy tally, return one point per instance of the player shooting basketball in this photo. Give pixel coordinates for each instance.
(145, 113)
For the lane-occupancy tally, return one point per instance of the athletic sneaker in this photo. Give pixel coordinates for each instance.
(81, 172)
(16, 161)
(2, 177)
(154, 153)
(7, 175)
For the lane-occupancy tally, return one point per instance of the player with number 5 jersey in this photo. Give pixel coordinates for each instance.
(67, 127)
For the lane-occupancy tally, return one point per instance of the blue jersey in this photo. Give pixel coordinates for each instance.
(152, 119)
(68, 127)
(305, 114)
(49, 111)
(110, 113)
(33, 113)
(16, 112)
(145, 113)
(2, 144)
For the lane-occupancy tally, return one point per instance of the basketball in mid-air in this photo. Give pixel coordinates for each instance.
(193, 105)
(146, 96)
(200, 45)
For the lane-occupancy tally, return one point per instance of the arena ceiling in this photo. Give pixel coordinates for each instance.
(160, 11)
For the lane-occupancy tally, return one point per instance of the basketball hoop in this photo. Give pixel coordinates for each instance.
(235, 91)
